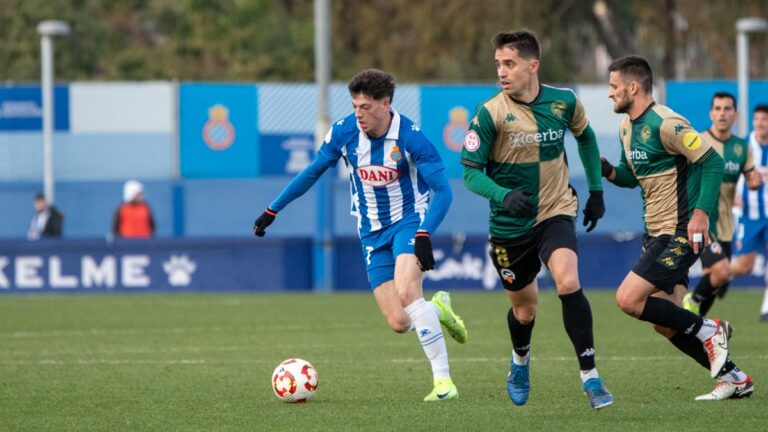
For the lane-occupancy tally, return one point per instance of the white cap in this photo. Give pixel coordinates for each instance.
(131, 189)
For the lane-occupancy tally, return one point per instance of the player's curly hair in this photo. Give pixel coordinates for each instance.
(524, 41)
(374, 83)
(634, 67)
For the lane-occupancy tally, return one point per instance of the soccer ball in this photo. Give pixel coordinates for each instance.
(294, 380)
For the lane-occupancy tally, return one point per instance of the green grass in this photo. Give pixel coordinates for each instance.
(204, 362)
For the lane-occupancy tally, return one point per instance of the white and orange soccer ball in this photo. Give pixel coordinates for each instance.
(294, 380)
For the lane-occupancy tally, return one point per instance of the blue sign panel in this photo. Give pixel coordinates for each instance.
(285, 154)
(21, 108)
(155, 265)
(218, 130)
(445, 115)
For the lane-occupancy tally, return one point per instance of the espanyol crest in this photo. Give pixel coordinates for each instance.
(377, 175)
(218, 132)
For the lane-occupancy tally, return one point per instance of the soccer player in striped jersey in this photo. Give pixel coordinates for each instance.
(400, 194)
(752, 235)
(679, 175)
(514, 156)
(716, 258)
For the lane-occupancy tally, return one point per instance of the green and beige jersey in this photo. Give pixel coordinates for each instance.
(673, 165)
(520, 146)
(738, 159)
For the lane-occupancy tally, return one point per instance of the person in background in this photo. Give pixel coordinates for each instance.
(47, 221)
(133, 219)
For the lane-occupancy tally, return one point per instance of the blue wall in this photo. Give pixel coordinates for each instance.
(223, 207)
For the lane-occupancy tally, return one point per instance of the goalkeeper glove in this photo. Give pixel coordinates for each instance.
(422, 248)
(263, 221)
(518, 204)
(594, 210)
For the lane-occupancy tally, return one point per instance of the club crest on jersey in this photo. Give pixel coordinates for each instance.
(377, 175)
(645, 133)
(558, 108)
(396, 155)
(737, 150)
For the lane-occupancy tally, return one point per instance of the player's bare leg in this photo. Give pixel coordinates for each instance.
(577, 319)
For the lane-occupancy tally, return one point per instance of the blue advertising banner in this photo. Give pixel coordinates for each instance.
(218, 130)
(155, 265)
(21, 108)
(445, 115)
(285, 154)
(266, 265)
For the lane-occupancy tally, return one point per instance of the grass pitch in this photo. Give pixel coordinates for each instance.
(204, 362)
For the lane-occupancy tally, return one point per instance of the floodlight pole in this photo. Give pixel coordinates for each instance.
(744, 26)
(47, 30)
(323, 267)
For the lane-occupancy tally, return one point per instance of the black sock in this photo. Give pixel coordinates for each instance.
(667, 314)
(706, 305)
(520, 334)
(694, 349)
(691, 347)
(703, 290)
(577, 318)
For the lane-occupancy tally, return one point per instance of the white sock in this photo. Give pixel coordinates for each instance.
(585, 375)
(520, 360)
(734, 376)
(707, 330)
(424, 316)
(764, 307)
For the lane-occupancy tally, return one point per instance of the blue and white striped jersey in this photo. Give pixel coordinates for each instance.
(387, 174)
(755, 202)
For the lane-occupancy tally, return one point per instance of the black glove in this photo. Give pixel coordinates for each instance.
(422, 248)
(606, 169)
(518, 204)
(263, 221)
(594, 210)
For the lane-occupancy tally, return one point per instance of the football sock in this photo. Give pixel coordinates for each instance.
(703, 289)
(577, 318)
(586, 375)
(520, 334)
(707, 329)
(424, 316)
(706, 305)
(520, 360)
(734, 376)
(691, 347)
(667, 314)
(764, 307)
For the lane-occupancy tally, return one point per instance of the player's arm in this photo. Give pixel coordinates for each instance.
(620, 175)
(326, 157)
(589, 154)
(678, 137)
(751, 175)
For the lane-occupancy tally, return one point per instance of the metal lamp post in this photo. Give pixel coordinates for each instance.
(744, 26)
(47, 30)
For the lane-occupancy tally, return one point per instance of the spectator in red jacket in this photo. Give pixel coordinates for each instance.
(133, 219)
